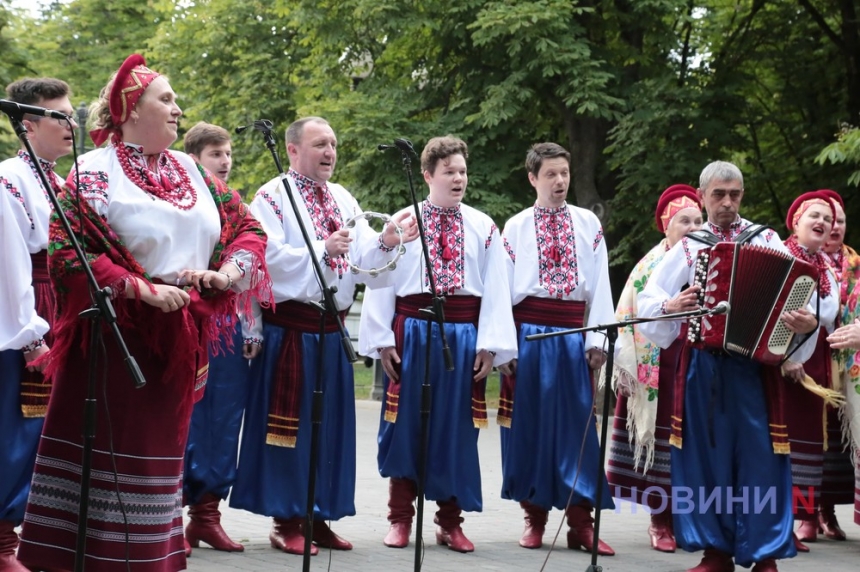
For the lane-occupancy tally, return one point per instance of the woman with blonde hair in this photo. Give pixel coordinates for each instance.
(178, 250)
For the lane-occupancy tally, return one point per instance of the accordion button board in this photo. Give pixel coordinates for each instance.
(760, 284)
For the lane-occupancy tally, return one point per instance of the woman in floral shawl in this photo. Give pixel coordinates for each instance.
(846, 262)
(178, 250)
(639, 450)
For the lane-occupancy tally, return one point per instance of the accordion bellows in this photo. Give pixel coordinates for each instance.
(760, 284)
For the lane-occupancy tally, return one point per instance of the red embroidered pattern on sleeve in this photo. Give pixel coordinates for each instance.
(272, 203)
(19, 197)
(685, 244)
(489, 240)
(94, 186)
(597, 239)
(510, 250)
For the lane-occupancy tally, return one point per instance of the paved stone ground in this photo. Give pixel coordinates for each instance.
(495, 532)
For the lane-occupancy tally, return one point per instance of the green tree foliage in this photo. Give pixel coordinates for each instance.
(13, 65)
(846, 149)
(753, 82)
(232, 63)
(83, 42)
(644, 93)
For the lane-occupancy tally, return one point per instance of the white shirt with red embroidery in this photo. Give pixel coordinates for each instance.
(678, 268)
(287, 255)
(27, 212)
(163, 238)
(19, 324)
(29, 204)
(560, 253)
(468, 258)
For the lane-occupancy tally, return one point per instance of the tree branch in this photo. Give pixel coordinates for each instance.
(819, 19)
(741, 29)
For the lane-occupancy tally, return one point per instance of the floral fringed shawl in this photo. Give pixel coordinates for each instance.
(848, 360)
(638, 364)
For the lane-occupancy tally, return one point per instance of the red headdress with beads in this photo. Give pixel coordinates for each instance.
(131, 80)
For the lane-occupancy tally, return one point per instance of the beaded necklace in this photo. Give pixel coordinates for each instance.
(183, 195)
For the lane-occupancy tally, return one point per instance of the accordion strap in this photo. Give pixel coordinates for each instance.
(751, 232)
(707, 237)
(704, 236)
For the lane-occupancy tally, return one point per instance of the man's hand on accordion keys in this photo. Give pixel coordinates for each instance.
(685, 301)
(800, 321)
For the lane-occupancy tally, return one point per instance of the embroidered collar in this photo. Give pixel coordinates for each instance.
(734, 229)
(437, 210)
(47, 166)
(150, 162)
(306, 185)
(539, 210)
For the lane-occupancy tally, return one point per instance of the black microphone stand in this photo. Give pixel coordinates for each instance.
(327, 307)
(101, 311)
(611, 336)
(435, 313)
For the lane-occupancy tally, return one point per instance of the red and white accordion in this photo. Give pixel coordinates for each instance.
(760, 284)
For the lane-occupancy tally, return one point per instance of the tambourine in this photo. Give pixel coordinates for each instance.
(399, 250)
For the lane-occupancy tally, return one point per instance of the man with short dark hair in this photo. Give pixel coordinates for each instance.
(275, 452)
(23, 390)
(467, 259)
(213, 436)
(559, 274)
(210, 145)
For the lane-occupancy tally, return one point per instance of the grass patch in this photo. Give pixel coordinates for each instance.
(363, 380)
(364, 384)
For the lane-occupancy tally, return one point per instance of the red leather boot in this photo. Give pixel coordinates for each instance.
(808, 529)
(205, 525)
(401, 495)
(187, 547)
(828, 524)
(449, 532)
(714, 561)
(535, 525)
(798, 545)
(8, 545)
(324, 537)
(661, 533)
(581, 533)
(768, 565)
(287, 535)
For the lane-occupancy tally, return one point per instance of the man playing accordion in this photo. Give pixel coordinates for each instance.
(726, 427)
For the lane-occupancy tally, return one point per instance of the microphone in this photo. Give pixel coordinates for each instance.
(404, 145)
(721, 308)
(17, 110)
(262, 125)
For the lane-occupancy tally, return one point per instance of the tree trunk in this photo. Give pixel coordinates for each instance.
(851, 40)
(586, 137)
